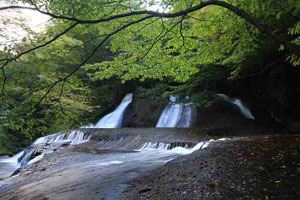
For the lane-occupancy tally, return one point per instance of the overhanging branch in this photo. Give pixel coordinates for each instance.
(87, 59)
(40, 46)
(292, 48)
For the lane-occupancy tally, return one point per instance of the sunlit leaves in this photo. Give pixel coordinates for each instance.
(294, 31)
(173, 49)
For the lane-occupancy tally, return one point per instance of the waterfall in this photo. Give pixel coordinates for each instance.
(155, 145)
(43, 145)
(177, 149)
(165, 145)
(244, 110)
(72, 138)
(47, 144)
(177, 114)
(114, 119)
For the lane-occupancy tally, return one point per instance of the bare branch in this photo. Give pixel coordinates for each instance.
(87, 59)
(257, 73)
(42, 45)
(16, 7)
(234, 9)
(148, 24)
(181, 33)
(160, 36)
(85, 42)
(5, 63)
(61, 90)
(3, 84)
(4, 80)
(292, 48)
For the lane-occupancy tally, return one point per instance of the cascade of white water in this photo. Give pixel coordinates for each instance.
(155, 145)
(170, 115)
(55, 140)
(73, 137)
(244, 110)
(13, 159)
(114, 119)
(176, 114)
(26, 156)
(162, 146)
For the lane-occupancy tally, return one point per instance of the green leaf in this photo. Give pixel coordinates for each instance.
(281, 48)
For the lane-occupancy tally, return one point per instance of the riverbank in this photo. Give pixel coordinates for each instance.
(257, 167)
(254, 167)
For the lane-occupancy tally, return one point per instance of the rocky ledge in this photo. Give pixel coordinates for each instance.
(257, 167)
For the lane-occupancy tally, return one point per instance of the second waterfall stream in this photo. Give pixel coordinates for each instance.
(177, 114)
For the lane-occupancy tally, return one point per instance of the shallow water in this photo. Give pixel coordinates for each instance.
(92, 176)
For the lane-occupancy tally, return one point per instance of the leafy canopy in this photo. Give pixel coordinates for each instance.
(45, 89)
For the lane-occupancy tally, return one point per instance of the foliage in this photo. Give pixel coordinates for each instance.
(61, 86)
(27, 81)
(4, 143)
(156, 92)
(295, 31)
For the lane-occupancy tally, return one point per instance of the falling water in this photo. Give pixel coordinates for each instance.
(244, 110)
(177, 114)
(114, 119)
(47, 144)
(72, 138)
(155, 145)
(168, 147)
(40, 147)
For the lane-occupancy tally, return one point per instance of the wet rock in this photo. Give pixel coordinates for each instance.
(145, 190)
(244, 168)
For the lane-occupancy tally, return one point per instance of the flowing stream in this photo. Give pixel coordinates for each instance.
(47, 144)
(96, 176)
(177, 114)
(123, 157)
(114, 119)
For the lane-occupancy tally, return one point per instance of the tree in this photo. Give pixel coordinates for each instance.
(110, 16)
(142, 44)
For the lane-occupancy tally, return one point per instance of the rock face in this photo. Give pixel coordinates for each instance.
(220, 118)
(133, 138)
(275, 110)
(223, 118)
(144, 112)
(273, 94)
(244, 168)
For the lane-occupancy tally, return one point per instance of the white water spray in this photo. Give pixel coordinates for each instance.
(161, 146)
(47, 143)
(50, 142)
(176, 114)
(114, 119)
(244, 110)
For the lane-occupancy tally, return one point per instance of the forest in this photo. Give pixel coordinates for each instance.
(229, 68)
(87, 57)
